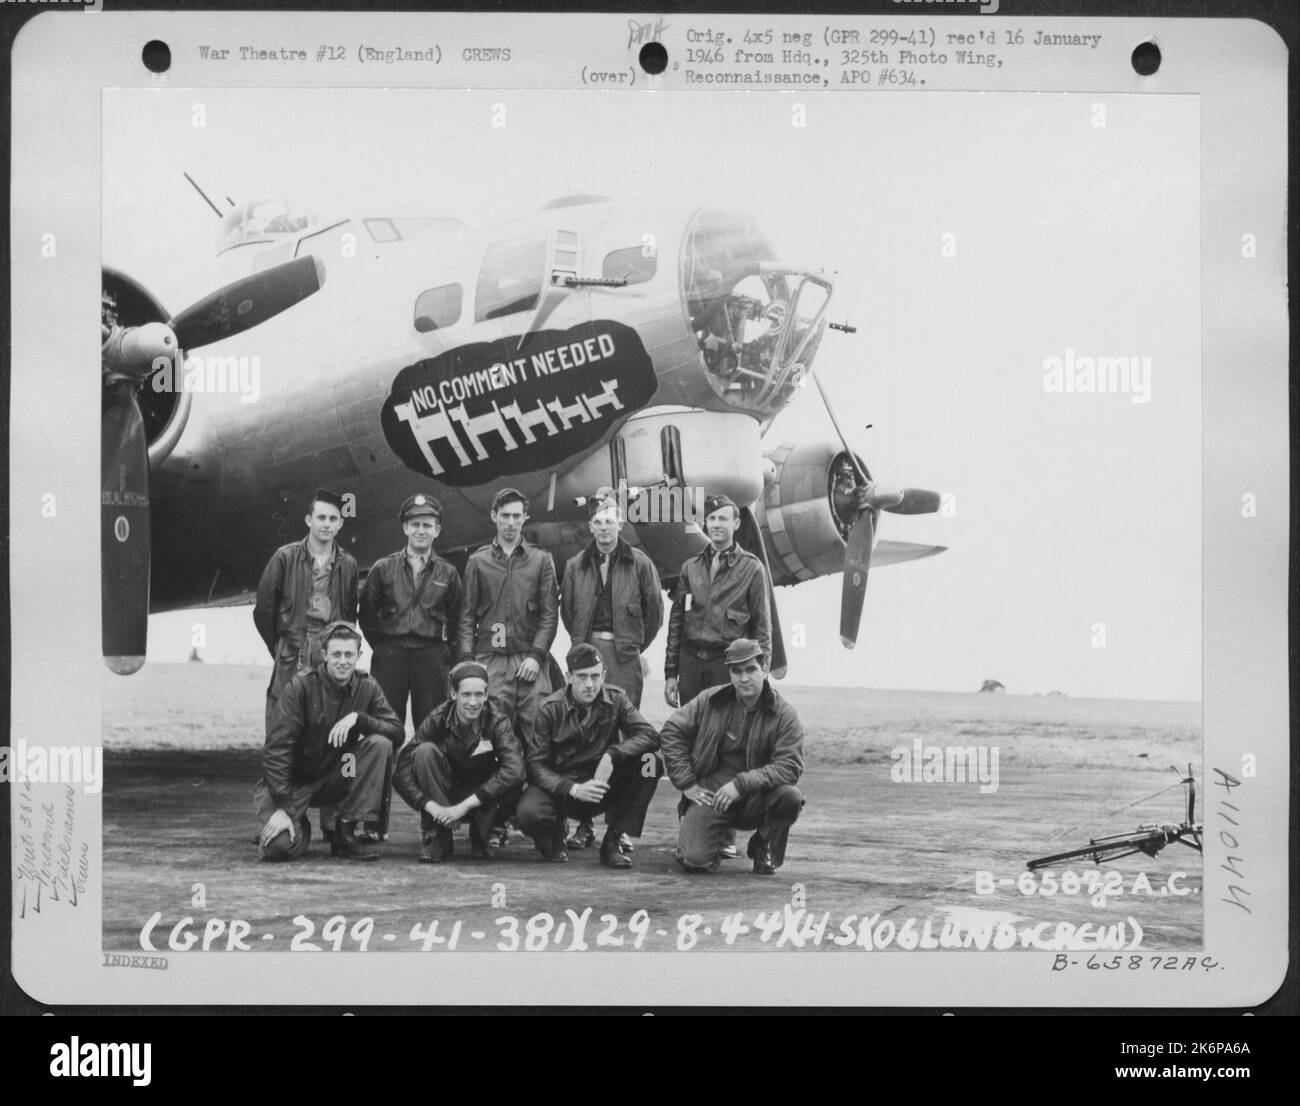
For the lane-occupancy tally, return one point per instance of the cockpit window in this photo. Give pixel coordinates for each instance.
(438, 308)
(412, 228)
(261, 221)
(630, 265)
(511, 278)
(382, 230)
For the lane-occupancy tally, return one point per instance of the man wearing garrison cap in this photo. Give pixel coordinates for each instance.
(462, 762)
(410, 609)
(612, 599)
(590, 752)
(305, 586)
(720, 597)
(330, 742)
(736, 752)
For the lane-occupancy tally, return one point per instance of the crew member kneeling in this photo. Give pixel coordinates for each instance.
(736, 752)
(462, 762)
(330, 741)
(590, 751)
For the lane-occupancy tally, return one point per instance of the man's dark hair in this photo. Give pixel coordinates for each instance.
(333, 499)
(509, 495)
(342, 632)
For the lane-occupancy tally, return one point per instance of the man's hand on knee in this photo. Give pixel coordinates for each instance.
(276, 825)
(726, 795)
(698, 795)
(343, 727)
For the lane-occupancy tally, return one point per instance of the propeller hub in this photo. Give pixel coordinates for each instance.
(879, 497)
(130, 353)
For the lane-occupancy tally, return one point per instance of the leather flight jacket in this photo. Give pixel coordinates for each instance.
(284, 594)
(637, 601)
(693, 735)
(442, 729)
(565, 748)
(297, 750)
(510, 603)
(396, 609)
(710, 612)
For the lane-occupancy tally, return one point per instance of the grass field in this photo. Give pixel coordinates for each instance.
(182, 754)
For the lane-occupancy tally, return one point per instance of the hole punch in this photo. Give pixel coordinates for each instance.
(1146, 58)
(157, 56)
(653, 58)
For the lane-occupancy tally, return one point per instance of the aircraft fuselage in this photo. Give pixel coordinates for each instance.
(418, 370)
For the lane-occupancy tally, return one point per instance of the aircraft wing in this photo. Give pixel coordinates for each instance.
(895, 552)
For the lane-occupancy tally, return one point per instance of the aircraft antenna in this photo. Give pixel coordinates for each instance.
(216, 210)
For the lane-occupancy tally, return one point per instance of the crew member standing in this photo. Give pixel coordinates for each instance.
(410, 610)
(611, 598)
(510, 613)
(508, 619)
(410, 606)
(720, 597)
(305, 586)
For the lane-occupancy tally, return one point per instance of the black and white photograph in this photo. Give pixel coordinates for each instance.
(688, 518)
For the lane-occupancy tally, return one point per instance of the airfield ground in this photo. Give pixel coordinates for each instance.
(182, 745)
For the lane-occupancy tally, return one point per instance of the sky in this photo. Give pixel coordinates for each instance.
(976, 240)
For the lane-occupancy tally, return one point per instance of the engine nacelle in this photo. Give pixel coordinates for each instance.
(127, 303)
(806, 510)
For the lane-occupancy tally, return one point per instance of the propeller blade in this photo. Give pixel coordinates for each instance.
(247, 302)
(900, 501)
(857, 562)
(124, 530)
(750, 538)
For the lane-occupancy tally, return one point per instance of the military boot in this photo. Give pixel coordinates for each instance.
(436, 840)
(347, 845)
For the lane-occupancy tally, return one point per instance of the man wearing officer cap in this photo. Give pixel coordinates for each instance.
(410, 608)
(590, 751)
(736, 752)
(462, 762)
(305, 586)
(330, 742)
